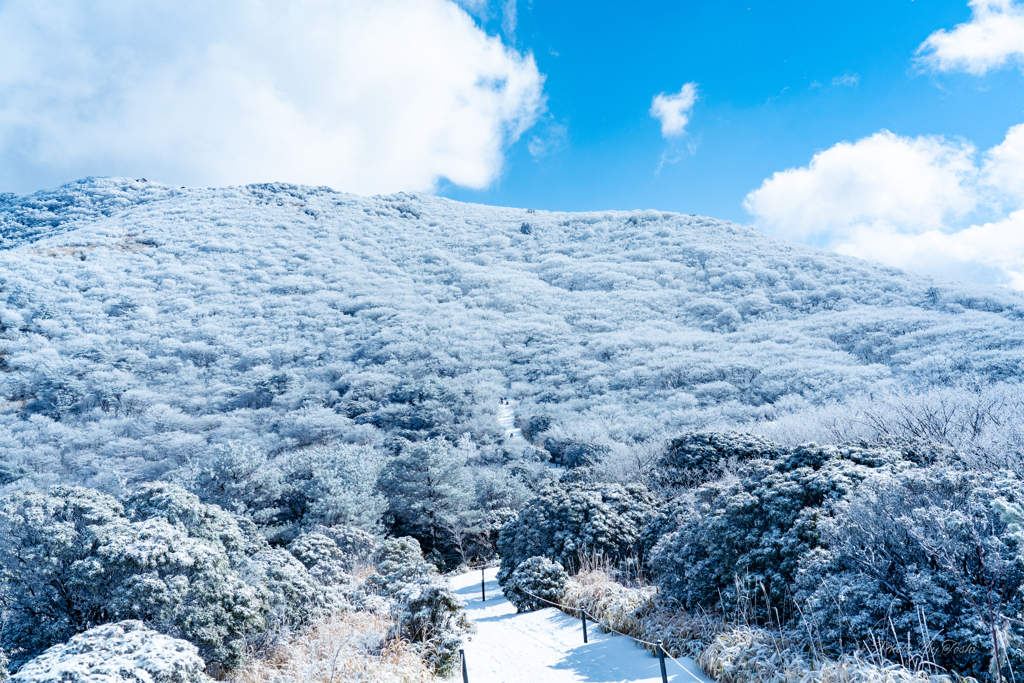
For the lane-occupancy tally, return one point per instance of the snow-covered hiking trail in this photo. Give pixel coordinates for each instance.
(507, 420)
(547, 646)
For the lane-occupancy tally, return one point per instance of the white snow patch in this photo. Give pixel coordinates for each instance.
(547, 646)
(507, 420)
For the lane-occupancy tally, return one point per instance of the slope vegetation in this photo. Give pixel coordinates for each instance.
(141, 323)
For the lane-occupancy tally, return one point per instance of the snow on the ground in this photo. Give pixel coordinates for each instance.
(507, 420)
(547, 646)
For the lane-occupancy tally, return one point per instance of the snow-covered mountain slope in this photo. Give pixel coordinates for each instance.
(140, 323)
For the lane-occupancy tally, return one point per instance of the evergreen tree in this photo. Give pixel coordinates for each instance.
(428, 491)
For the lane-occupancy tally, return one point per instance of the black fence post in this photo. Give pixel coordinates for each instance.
(583, 616)
(483, 591)
(465, 674)
(661, 660)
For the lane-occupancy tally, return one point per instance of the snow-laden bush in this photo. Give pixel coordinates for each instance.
(294, 596)
(74, 558)
(398, 563)
(186, 512)
(332, 553)
(356, 545)
(567, 521)
(699, 457)
(433, 619)
(122, 652)
(756, 525)
(535, 584)
(927, 554)
(314, 548)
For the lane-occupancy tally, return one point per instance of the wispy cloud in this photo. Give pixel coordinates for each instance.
(992, 38)
(550, 137)
(848, 79)
(674, 110)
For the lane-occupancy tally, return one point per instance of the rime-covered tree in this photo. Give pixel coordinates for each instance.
(428, 491)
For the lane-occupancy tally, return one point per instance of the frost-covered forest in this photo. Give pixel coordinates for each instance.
(305, 373)
(143, 325)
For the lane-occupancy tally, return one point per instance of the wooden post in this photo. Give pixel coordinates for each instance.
(465, 674)
(583, 616)
(483, 591)
(661, 660)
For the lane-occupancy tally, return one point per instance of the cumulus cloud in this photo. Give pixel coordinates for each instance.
(674, 110)
(906, 202)
(993, 37)
(364, 95)
(882, 178)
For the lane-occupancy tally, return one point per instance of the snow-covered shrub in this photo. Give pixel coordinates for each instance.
(324, 559)
(434, 621)
(699, 457)
(252, 540)
(535, 584)
(184, 511)
(314, 548)
(72, 559)
(926, 553)
(355, 545)
(565, 521)
(294, 596)
(122, 652)
(756, 525)
(398, 563)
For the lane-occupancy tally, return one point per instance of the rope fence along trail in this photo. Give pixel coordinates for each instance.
(659, 648)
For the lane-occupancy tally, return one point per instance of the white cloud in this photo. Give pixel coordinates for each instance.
(364, 95)
(906, 202)
(884, 178)
(1004, 166)
(993, 252)
(993, 37)
(674, 110)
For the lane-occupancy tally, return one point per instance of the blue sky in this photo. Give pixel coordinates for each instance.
(892, 131)
(766, 74)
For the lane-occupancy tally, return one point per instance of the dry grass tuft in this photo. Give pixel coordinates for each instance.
(349, 648)
(608, 601)
(754, 655)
